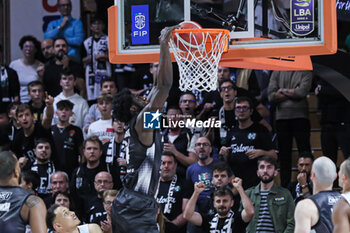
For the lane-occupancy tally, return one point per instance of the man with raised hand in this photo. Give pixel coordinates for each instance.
(134, 209)
(225, 220)
(18, 207)
(341, 213)
(315, 213)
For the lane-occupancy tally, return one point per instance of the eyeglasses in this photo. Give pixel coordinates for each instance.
(99, 182)
(108, 202)
(228, 88)
(187, 101)
(65, 5)
(204, 144)
(242, 108)
(28, 47)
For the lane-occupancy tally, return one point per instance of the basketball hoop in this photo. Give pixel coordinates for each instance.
(197, 53)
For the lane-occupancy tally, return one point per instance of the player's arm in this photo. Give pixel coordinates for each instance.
(34, 212)
(305, 215)
(94, 228)
(189, 213)
(341, 217)
(163, 83)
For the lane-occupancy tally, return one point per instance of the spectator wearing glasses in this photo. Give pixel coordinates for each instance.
(67, 27)
(108, 197)
(201, 171)
(248, 142)
(27, 65)
(228, 93)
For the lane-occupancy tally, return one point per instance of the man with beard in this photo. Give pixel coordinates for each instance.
(172, 195)
(201, 172)
(273, 205)
(225, 220)
(302, 187)
(44, 167)
(248, 142)
(314, 214)
(341, 214)
(144, 150)
(52, 70)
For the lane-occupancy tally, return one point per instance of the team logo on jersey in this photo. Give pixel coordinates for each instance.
(177, 188)
(151, 120)
(332, 200)
(4, 196)
(251, 136)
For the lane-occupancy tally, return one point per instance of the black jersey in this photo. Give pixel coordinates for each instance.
(324, 201)
(143, 162)
(12, 199)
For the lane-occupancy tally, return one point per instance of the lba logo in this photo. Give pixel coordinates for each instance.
(151, 120)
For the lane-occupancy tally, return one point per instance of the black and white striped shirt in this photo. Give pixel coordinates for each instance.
(265, 223)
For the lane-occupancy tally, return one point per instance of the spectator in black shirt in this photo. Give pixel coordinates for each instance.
(23, 143)
(52, 74)
(68, 139)
(82, 184)
(302, 187)
(96, 212)
(225, 220)
(44, 167)
(36, 102)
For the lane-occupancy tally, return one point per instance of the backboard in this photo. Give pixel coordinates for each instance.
(259, 28)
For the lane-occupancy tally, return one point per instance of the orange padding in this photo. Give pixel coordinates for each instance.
(270, 63)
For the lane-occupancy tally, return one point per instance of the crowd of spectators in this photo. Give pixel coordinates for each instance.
(57, 118)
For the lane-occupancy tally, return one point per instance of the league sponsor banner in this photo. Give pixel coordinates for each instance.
(302, 17)
(343, 10)
(31, 17)
(140, 24)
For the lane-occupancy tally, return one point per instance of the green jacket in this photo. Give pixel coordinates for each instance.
(281, 206)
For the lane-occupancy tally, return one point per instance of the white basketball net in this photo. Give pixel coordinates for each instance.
(198, 60)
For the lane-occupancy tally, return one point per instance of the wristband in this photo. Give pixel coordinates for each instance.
(303, 186)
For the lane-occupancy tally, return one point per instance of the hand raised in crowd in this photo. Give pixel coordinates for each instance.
(236, 185)
(199, 187)
(106, 225)
(302, 178)
(22, 161)
(170, 147)
(65, 61)
(255, 153)
(121, 161)
(64, 21)
(208, 107)
(40, 70)
(48, 99)
(225, 151)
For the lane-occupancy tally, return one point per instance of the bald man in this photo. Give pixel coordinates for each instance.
(341, 214)
(18, 207)
(315, 212)
(96, 212)
(47, 49)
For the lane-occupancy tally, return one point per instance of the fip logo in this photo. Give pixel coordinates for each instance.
(140, 20)
(140, 24)
(151, 120)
